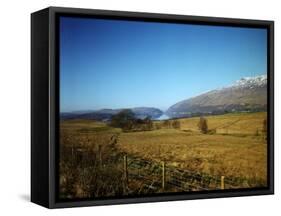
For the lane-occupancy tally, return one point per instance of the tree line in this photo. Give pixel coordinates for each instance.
(127, 121)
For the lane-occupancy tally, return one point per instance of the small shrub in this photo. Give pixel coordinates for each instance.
(212, 131)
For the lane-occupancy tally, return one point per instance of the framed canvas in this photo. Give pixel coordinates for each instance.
(139, 107)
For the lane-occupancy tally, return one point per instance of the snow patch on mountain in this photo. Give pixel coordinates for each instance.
(251, 82)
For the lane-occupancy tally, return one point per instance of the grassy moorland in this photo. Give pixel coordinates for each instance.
(90, 151)
(238, 154)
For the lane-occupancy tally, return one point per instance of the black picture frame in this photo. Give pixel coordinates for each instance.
(45, 104)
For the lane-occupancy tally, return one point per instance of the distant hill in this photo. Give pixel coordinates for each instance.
(246, 94)
(106, 114)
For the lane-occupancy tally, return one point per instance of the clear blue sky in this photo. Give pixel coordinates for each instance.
(123, 64)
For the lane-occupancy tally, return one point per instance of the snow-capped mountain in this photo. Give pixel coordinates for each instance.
(251, 82)
(246, 94)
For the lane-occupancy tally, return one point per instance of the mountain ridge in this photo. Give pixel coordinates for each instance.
(246, 94)
(106, 114)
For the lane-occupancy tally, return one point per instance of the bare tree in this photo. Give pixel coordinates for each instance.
(176, 124)
(203, 125)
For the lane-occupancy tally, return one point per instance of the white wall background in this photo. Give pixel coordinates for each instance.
(15, 106)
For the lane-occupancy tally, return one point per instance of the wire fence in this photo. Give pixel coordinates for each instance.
(159, 176)
(105, 171)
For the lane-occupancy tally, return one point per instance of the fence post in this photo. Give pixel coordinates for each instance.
(72, 151)
(222, 182)
(100, 155)
(125, 169)
(163, 175)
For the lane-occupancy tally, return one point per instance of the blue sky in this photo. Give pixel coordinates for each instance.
(123, 64)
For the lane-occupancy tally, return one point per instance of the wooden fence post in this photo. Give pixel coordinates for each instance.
(163, 175)
(72, 154)
(72, 151)
(100, 155)
(125, 169)
(222, 182)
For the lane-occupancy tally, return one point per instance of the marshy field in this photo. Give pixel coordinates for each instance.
(98, 160)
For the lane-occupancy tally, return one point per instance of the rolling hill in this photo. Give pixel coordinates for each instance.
(246, 94)
(106, 114)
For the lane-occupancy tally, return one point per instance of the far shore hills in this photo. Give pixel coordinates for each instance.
(245, 95)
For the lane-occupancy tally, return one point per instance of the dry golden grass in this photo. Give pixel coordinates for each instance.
(88, 160)
(239, 153)
(234, 123)
(214, 154)
(234, 150)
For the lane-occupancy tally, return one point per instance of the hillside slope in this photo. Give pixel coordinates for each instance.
(246, 94)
